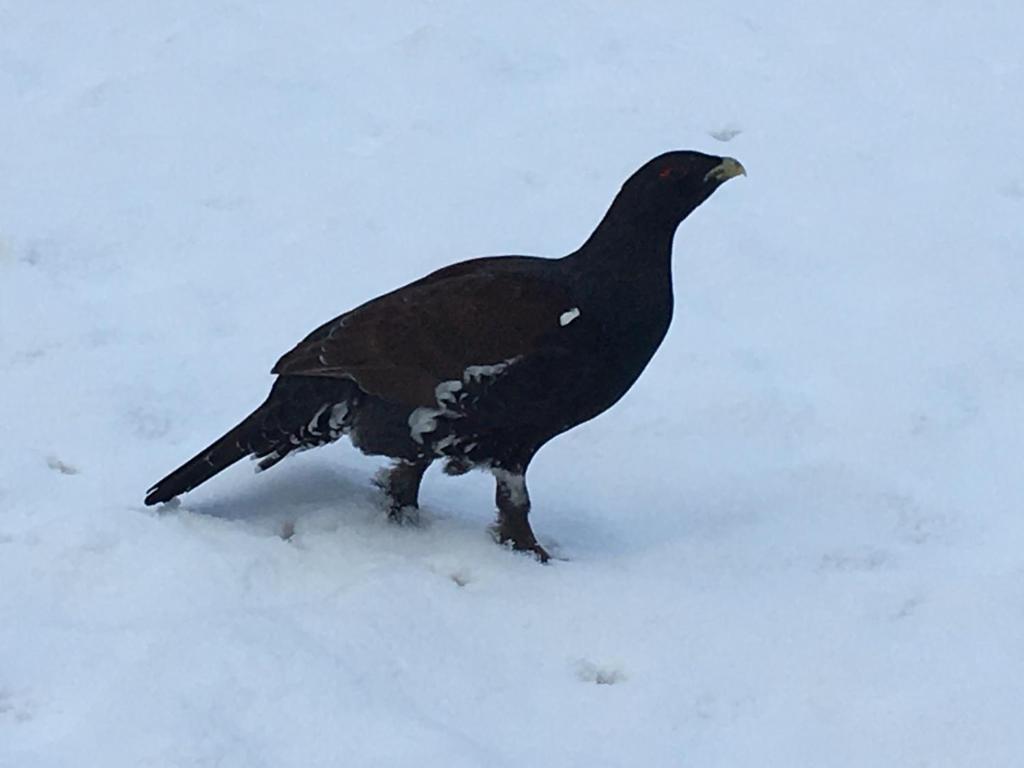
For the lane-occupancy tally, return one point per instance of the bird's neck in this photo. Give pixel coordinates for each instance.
(630, 245)
(623, 277)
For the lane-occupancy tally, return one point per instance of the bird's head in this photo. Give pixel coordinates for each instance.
(672, 185)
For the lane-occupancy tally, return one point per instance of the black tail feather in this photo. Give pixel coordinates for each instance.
(235, 445)
(301, 412)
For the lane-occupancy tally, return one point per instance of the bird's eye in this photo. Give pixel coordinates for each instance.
(666, 173)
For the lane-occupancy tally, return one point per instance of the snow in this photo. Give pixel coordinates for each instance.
(798, 541)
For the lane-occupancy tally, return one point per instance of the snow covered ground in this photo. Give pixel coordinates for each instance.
(799, 540)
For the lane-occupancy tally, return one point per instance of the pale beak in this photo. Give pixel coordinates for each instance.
(726, 170)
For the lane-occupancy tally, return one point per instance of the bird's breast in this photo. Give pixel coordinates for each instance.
(604, 349)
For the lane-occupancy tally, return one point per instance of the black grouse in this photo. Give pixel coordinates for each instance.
(481, 363)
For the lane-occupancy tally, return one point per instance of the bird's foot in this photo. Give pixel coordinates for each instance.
(405, 516)
(538, 551)
(401, 485)
(519, 541)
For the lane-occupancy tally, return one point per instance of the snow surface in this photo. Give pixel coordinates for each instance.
(798, 541)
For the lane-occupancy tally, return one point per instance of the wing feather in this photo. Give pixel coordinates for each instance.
(402, 345)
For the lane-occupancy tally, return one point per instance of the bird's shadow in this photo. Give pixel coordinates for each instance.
(303, 492)
(313, 497)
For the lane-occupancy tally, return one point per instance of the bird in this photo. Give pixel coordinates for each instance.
(482, 362)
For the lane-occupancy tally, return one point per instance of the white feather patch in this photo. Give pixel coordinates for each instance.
(515, 485)
(338, 414)
(316, 417)
(568, 316)
(423, 420)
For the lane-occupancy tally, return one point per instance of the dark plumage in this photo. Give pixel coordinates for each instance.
(484, 361)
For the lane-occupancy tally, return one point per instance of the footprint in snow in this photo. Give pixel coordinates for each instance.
(460, 578)
(59, 466)
(725, 133)
(907, 608)
(854, 562)
(601, 674)
(1013, 189)
(19, 711)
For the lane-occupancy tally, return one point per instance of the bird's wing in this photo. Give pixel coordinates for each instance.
(402, 345)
